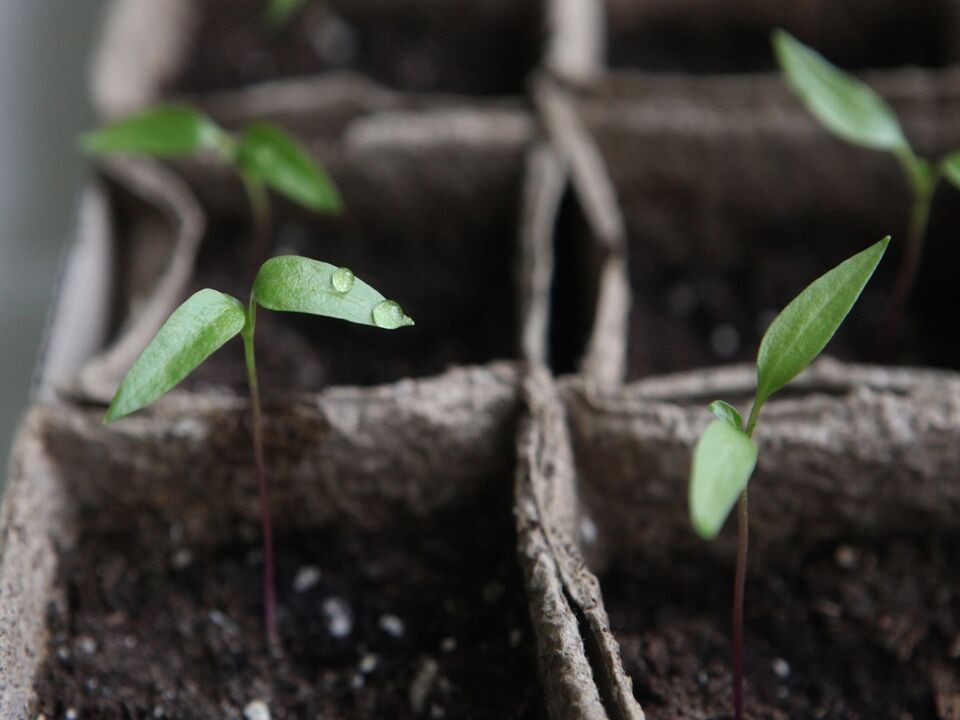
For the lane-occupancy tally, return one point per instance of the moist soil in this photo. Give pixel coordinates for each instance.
(707, 306)
(864, 628)
(429, 621)
(483, 47)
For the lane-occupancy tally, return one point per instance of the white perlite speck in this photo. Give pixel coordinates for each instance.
(781, 668)
(422, 684)
(306, 578)
(392, 625)
(368, 663)
(256, 710)
(338, 617)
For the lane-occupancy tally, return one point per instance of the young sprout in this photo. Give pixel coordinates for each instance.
(854, 112)
(209, 318)
(279, 12)
(725, 455)
(264, 156)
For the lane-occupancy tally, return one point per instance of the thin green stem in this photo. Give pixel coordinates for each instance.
(923, 180)
(260, 213)
(256, 429)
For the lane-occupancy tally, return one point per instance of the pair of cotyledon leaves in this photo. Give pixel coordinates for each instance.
(208, 319)
(262, 152)
(852, 110)
(725, 455)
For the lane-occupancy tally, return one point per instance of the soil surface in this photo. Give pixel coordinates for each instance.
(484, 47)
(864, 628)
(699, 306)
(429, 622)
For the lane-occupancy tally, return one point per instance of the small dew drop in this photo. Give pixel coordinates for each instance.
(389, 315)
(342, 280)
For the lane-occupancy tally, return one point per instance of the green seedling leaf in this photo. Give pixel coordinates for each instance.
(163, 132)
(279, 12)
(847, 107)
(270, 154)
(802, 330)
(189, 336)
(950, 168)
(290, 283)
(723, 462)
(727, 412)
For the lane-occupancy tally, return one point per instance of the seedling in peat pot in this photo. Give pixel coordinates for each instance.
(209, 318)
(854, 112)
(264, 156)
(725, 455)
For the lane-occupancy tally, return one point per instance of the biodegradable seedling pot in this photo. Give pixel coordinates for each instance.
(177, 480)
(185, 47)
(710, 193)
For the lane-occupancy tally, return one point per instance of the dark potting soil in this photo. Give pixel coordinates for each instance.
(735, 37)
(478, 48)
(867, 628)
(703, 305)
(428, 622)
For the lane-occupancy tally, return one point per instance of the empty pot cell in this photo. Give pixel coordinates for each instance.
(432, 226)
(699, 36)
(735, 201)
(473, 48)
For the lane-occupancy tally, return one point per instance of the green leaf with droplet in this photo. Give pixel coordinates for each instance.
(950, 168)
(270, 154)
(167, 131)
(290, 283)
(802, 330)
(723, 461)
(727, 412)
(190, 335)
(844, 105)
(279, 12)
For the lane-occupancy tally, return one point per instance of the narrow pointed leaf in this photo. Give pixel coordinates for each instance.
(727, 412)
(844, 105)
(163, 132)
(291, 283)
(950, 168)
(203, 323)
(273, 156)
(802, 330)
(723, 461)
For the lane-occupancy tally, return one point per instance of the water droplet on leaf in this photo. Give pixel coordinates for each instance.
(389, 315)
(342, 280)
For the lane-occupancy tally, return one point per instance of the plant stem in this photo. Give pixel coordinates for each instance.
(260, 211)
(924, 183)
(739, 586)
(256, 429)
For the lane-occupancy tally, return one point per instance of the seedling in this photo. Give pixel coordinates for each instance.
(725, 455)
(209, 318)
(854, 112)
(264, 156)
